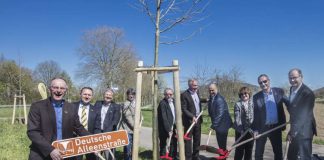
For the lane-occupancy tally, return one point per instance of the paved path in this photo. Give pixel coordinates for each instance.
(146, 142)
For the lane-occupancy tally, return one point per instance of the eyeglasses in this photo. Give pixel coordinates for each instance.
(263, 82)
(57, 88)
(293, 78)
(244, 93)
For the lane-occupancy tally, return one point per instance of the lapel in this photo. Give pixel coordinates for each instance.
(191, 99)
(51, 115)
(91, 114)
(109, 111)
(297, 96)
(261, 102)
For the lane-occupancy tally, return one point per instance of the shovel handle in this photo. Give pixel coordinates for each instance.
(286, 150)
(210, 132)
(193, 123)
(258, 136)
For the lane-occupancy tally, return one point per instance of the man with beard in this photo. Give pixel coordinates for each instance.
(166, 123)
(88, 115)
(50, 120)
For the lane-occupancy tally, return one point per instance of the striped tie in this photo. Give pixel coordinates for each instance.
(84, 118)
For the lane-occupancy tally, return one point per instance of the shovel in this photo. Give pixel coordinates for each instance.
(186, 137)
(167, 147)
(225, 153)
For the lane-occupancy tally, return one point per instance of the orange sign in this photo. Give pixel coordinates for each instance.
(88, 144)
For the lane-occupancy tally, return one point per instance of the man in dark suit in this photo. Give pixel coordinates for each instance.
(302, 121)
(88, 115)
(219, 115)
(110, 115)
(268, 113)
(50, 120)
(166, 123)
(191, 107)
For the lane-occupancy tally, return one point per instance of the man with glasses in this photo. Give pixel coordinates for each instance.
(219, 116)
(268, 114)
(50, 120)
(167, 123)
(302, 121)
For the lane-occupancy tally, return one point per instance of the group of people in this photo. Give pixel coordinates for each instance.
(56, 119)
(253, 116)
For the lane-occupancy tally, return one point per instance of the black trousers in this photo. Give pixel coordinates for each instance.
(300, 147)
(276, 143)
(245, 150)
(222, 139)
(173, 145)
(192, 146)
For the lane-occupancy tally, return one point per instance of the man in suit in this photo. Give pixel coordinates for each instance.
(268, 113)
(191, 107)
(219, 115)
(50, 120)
(110, 115)
(166, 123)
(88, 115)
(302, 121)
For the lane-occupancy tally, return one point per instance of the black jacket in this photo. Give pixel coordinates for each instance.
(165, 118)
(112, 116)
(94, 118)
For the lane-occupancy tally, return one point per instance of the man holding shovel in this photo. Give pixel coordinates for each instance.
(219, 115)
(303, 125)
(191, 108)
(167, 127)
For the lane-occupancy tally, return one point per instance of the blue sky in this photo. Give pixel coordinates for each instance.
(259, 36)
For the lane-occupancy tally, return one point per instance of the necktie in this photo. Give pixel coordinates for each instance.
(84, 117)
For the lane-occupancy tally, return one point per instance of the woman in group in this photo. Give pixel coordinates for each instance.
(243, 118)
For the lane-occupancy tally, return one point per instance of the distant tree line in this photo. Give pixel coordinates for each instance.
(106, 59)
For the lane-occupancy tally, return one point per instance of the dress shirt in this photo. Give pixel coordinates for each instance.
(104, 110)
(271, 108)
(293, 93)
(172, 108)
(58, 114)
(195, 98)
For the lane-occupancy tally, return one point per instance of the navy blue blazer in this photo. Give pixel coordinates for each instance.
(94, 118)
(260, 109)
(302, 119)
(112, 116)
(219, 114)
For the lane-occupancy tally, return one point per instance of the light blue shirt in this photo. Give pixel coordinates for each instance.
(271, 108)
(58, 114)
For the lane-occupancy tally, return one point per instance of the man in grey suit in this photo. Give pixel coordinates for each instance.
(110, 115)
(50, 120)
(88, 115)
(303, 125)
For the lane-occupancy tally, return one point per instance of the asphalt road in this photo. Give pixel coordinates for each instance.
(146, 142)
